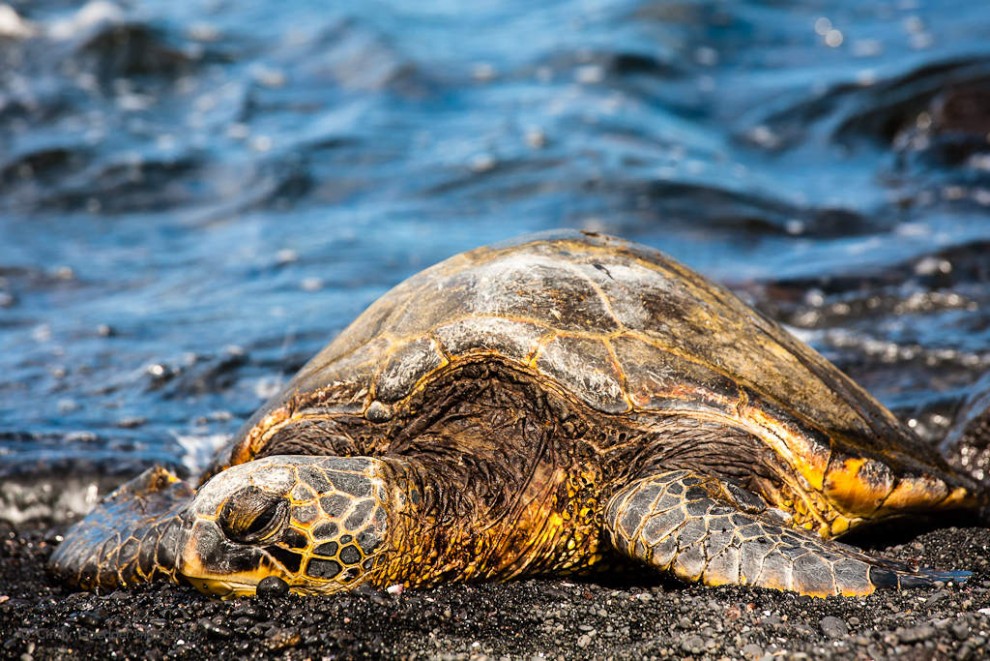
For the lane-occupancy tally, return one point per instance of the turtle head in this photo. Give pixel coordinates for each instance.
(317, 523)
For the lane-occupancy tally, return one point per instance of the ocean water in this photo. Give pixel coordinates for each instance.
(196, 196)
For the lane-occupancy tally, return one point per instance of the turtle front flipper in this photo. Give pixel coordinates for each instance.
(133, 536)
(705, 529)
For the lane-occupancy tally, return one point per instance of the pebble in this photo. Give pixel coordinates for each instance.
(280, 639)
(693, 644)
(272, 586)
(833, 627)
(215, 630)
(916, 634)
(752, 652)
(92, 619)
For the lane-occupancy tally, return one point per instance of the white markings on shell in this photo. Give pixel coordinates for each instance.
(405, 367)
(535, 286)
(585, 367)
(625, 285)
(516, 340)
(358, 365)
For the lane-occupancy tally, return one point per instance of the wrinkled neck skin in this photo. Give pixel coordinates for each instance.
(457, 521)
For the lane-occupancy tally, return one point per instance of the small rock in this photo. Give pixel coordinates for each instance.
(272, 586)
(280, 639)
(916, 634)
(960, 630)
(752, 652)
(693, 644)
(213, 629)
(833, 627)
(583, 641)
(92, 619)
(131, 422)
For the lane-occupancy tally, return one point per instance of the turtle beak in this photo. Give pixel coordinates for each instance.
(223, 553)
(214, 565)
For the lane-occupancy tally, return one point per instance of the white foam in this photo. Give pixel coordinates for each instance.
(13, 26)
(200, 450)
(92, 14)
(40, 499)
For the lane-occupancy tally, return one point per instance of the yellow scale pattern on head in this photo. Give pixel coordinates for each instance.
(341, 558)
(326, 544)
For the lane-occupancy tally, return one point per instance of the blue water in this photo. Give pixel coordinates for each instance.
(196, 196)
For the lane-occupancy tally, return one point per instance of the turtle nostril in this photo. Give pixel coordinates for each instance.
(253, 515)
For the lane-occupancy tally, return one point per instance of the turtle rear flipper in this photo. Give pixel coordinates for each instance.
(131, 537)
(704, 529)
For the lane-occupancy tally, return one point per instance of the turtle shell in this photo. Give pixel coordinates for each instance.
(619, 326)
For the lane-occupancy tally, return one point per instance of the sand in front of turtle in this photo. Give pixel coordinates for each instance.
(561, 619)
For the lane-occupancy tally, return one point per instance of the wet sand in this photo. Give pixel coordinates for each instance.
(562, 619)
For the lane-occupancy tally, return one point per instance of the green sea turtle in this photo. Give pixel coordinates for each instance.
(539, 407)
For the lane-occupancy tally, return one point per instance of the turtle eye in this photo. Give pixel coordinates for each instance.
(253, 515)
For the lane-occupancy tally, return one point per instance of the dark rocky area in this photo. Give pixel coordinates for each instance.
(552, 618)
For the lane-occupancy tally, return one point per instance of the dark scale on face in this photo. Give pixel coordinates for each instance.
(323, 568)
(225, 559)
(368, 541)
(359, 515)
(355, 485)
(318, 480)
(328, 550)
(695, 493)
(346, 539)
(350, 555)
(335, 505)
(325, 530)
(291, 561)
(294, 539)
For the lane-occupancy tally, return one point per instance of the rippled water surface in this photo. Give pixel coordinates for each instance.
(196, 196)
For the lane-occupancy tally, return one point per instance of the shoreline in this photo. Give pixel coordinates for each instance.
(541, 618)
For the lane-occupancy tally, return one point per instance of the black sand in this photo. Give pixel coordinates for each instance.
(562, 619)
